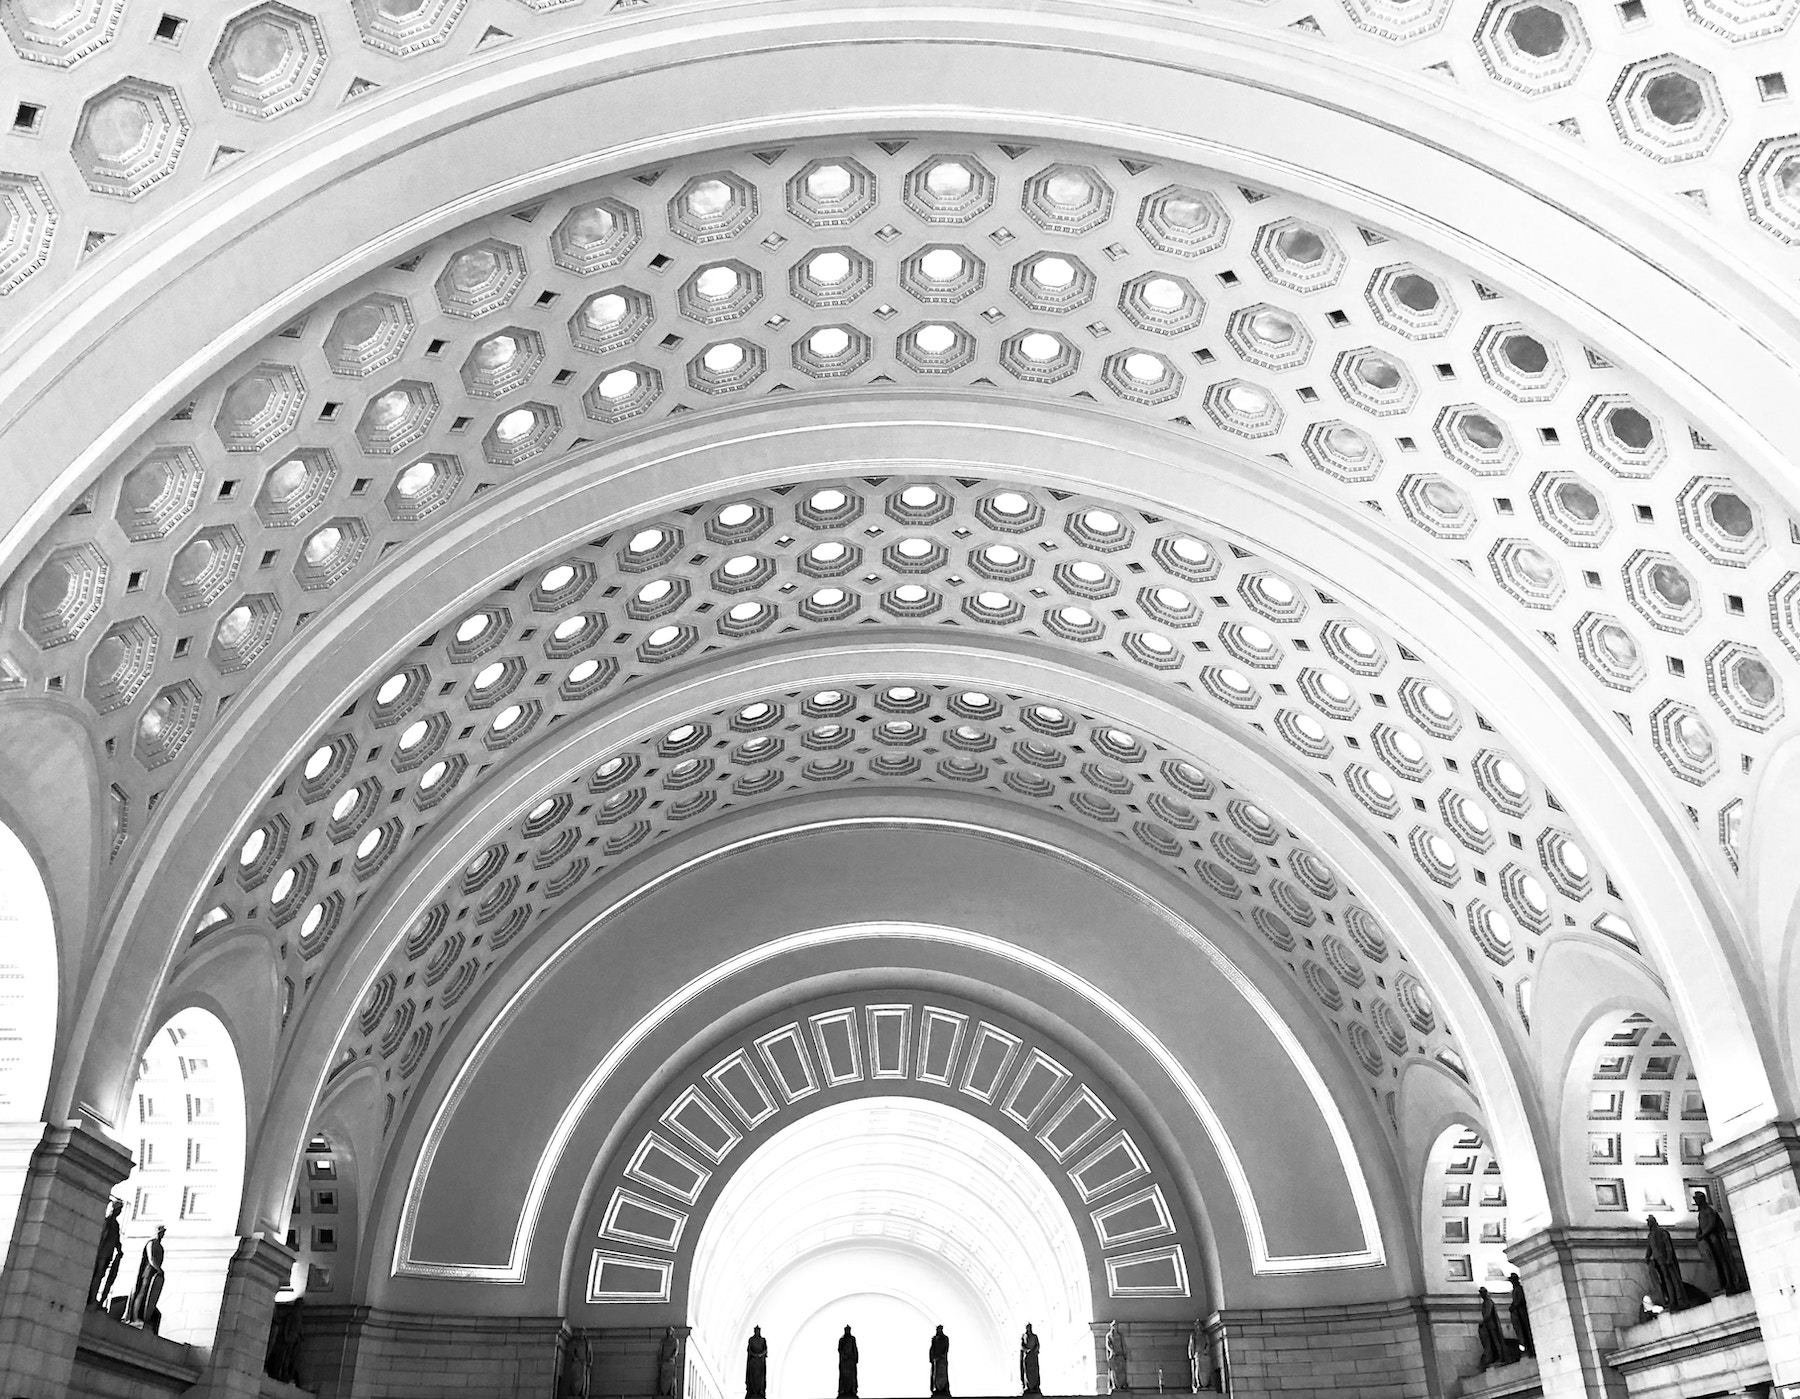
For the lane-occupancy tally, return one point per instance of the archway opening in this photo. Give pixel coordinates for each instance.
(1464, 1208)
(187, 1109)
(892, 1216)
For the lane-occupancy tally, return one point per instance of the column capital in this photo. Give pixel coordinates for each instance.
(264, 1258)
(1767, 1150)
(1586, 1241)
(85, 1156)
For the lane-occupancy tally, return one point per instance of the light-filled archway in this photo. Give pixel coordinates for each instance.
(28, 998)
(876, 1210)
(186, 1133)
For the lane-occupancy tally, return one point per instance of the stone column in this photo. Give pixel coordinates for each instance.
(1761, 1172)
(195, 1272)
(18, 1143)
(43, 1290)
(1581, 1285)
(257, 1270)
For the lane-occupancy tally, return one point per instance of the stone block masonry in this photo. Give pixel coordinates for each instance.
(1374, 1350)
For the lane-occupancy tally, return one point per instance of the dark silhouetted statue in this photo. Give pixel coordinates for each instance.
(1715, 1243)
(286, 1331)
(146, 1292)
(1521, 1318)
(1031, 1378)
(1118, 1378)
(107, 1257)
(940, 1364)
(846, 1365)
(578, 1376)
(1665, 1268)
(1200, 1366)
(1496, 1349)
(756, 1366)
(668, 1366)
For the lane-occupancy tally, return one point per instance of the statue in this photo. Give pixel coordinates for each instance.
(1495, 1348)
(1665, 1268)
(1200, 1370)
(578, 1378)
(1031, 1380)
(1521, 1319)
(107, 1257)
(756, 1366)
(1715, 1243)
(940, 1364)
(846, 1365)
(286, 1331)
(668, 1365)
(146, 1292)
(1118, 1379)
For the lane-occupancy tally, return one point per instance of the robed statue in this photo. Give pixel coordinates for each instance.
(287, 1330)
(107, 1257)
(578, 1372)
(1117, 1378)
(756, 1366)
(1495, 1348)
(1715, 1243)
(940, 1364)
(668, 1366)
(1031, 1379)
(846, 1365)
(1521, 1318)
(146, 1292)
(1665, 1268)
(1200, 1369)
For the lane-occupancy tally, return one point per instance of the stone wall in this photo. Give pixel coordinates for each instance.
(116, 1361)
(1714, 1349)
(1372, 1350)
(367, 1353)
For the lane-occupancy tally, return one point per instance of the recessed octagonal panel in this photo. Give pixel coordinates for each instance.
(1661, 589)
(622, 393)
(129, 137)
(398, 416)
(1520, 363)
(1438, 506)
(1184, 220)
(204, 567)
(1298, 255)
(1685, 742)
(595, 236)
(1571, 509)
(942, 273)
(119, 664)
(1745, 685)
(268, 60)
(167, 723)
(60, 33)
(502, 362)
(1623, 434)
(936, 347)
(831, 192)
(832, 351)
(1608, 648)
(159, 492)
(949, 189)
(1375, 381)
(1412, 301)
(1142, 376)
(1269, 337)
(368, 334)
(719, 292)
(1739, 20)
(1533, 45)
(1067, 198)
(1722, 520)
(1526, 571)
(480, 279)
(610, 320)
(27, 227)
(1162, 303)
(331, 553)
(1052, 283)
(709, 208)
(1343, 451)
(1668, 108)
(1039, 357)
(295, 487)
(1399, 21)
(424, 486)
(244, 632)
(260, 407)
(405, 27)
(521, 433)
(1770, 181)
(726, 366)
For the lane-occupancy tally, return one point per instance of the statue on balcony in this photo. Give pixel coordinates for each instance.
(668, 1366)
(107, 1257)
(1118, 1377)
(1521, 1318)
(1200, 1366)
(1031, 1380)
(1665, 1268)
(940, 1364)
(846, 1365)
(286, 1331)
(756, 1366)
(1715, 1243)
(146, 1292)
(1496, 1349)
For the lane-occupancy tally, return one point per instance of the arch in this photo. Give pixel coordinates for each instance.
(652, 1201)
(1462, 1207)
(1635, 1124)
(187, 1135)
(897, 1175)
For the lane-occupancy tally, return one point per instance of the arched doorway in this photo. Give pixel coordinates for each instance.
(186, 1131)
(891, 1215)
